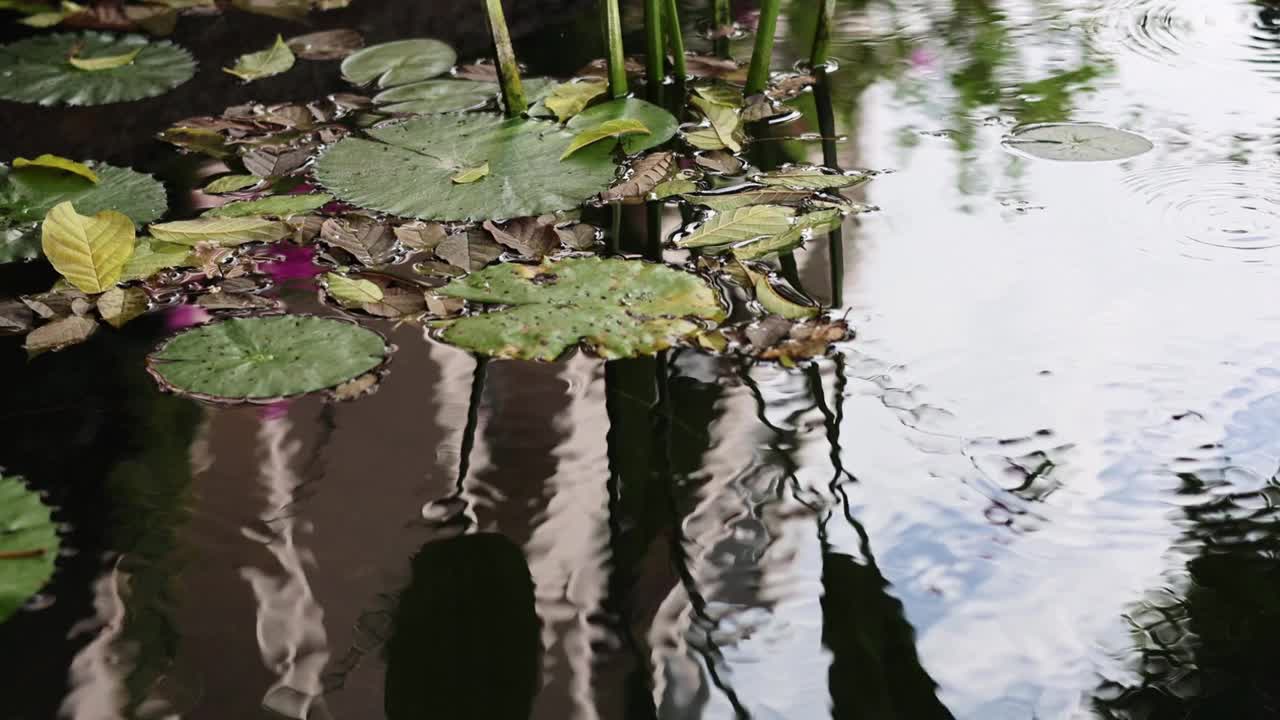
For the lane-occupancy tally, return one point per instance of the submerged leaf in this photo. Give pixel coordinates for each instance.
(281, 206)
(28, 545)
(805, 340)
(737, 225)
(103, 62)
(618, 308)
(660, 124)
(274, 60)
(805, 177)
(724, 202)
(57, 163)
(267, 357)
(36, 69)
(399, 63)
(326, 44)
(609, 129)
(90, 252)
(569, 99)
(226, 232)
(59, 334)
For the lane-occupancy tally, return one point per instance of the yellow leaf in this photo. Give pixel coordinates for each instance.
(107, 62)
(470, 175)
(274, 60)
(120, 305)
(226, 232)
(90, 252)
(43, 20)
(350, 291)
(57, 163)
(724, 121)
(569, 99)
(609, 129)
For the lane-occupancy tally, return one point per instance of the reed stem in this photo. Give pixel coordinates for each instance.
(675, 39)
(762, 55)
(617, 59)
(822, 35)
(513, 98)
(655, 52)
(722, 20)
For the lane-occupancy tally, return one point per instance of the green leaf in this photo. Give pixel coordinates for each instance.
(35, 69)
(28, 545)
(120, 305)
(406, 169)
(226, 232)
(803, 228)
(151, 256)
(774, 302)
(804, 177)
(725, 121)
(266, 357)
(734, 226)
(27, 195)
(436, 96)
(681, 184)
(661, 124)
(610, 129)
(704, 139)
(618, 308)
(90, 252)
(470, 175)
(274, 60)
(103, 62)
(231, 183)
(569, 99)
(1077, 142)
(280, 206)
(399, 63)
(724, 202)
(721, 94)
(351, 292)
(57, 163)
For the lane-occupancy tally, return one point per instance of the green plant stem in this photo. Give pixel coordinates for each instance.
(822, 35)
(654, 52)
(722, 19)
(675, 38)
(617, 59)
(508, 69)
(762, 55)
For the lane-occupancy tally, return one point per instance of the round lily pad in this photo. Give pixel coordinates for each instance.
(437, 96)
(408, 169)
(38, 69)
(617, 308)
(263, 358)
(662, 125)
(1076, 142)
(399, 63)
(28, 545)
(27, 194)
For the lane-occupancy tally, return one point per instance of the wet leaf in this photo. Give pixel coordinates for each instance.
(266, 357)
(721, 162)
(15, 317)
(470, 250)
(59, 334)
(326, 45)
(369, 241)
(283, 9)
(231, 183)
(618, 308)
(306, 228)
(724, 120)
(737, 225)
(804, 177)
(775, 302)
(103, 62)
(436, 96)
(681, 184)
(644, 176)
(531, 237)
(804, 228)
(155, 19)
(1077, 142)
(420, 236)
(151, 256)
(89, 251)
(579, 236)
(224, 232)
(605, 130)
(274, 60)
(61, 301)
(120, 305)
(198, 140)
(703, 66)
(660, 123)
(280, 206)
(239, 303)
(724, 202)
(806, 340)
(28, 545)
(36, 69)
(703, 138)
(57, 163)
(272, 164)
(351, 291)
(470, 175)
(362, 386)
(415, 160)
(791, 86)
(399, 63)
(569, 99)
(721, 94)
(397, 302)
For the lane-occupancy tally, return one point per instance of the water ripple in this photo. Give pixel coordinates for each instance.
(1191, 33)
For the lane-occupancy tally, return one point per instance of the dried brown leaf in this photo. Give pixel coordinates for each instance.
(273, 164)
(531, 237)
(369, 241)
(326, 45)
(420, 236)
(59, 334)
(470, 250)
(644, 176)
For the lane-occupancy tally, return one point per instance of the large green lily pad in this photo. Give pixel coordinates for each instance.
(28, 193)
(617, 308)
(28, 545)
(266, 357)
(399, 63)
(38, 69)
(408, 169)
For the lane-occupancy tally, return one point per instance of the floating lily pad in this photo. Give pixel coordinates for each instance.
(662, 125)
(28, 545)
(27, 194)
(1076, 142)
(618, 308)
(437, 96)
(266, 357)
(399, 63)
(407, 169)
(38, 70)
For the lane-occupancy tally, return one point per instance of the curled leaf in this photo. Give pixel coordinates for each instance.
(645, 175)
(104, 62)
(57, 163)
(231, 183)
(254, 66)
(59, 334)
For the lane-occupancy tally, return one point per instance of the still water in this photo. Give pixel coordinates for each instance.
(1038, 484)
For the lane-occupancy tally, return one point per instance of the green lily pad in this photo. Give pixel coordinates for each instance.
(1076, 142)
(27, 194)
(436, 96)
(399, 63)
(28, 545)
(662, 125)
(407, 169)
(37, 70)
(266, 357)
(617, 308)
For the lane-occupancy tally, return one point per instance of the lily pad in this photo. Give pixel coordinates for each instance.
(37, 69)
(1076, 142)
(399, 63)
(261, 358)
(436, 96)
(661, 124)
(407, 169)
(28, 545)
(617, 308)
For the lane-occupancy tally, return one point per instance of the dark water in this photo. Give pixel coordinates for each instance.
(1039, 484)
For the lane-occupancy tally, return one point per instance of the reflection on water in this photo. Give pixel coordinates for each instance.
(1040, 483)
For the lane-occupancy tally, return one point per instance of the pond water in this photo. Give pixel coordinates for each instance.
(1039, 483)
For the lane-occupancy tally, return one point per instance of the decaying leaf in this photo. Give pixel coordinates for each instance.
(644, 176)
(579, 236)
(805, 340)
(368, 240)
(531, 237)
(791, 86)
(272, 164)
(683, 183)
(236, 303)
(58, 302)
(420, 236)
(774, 301)
(704, 66)
(15, 317)
(59, 334)
(90, 252)
(362, 386)
(724, 120)
(469, 250)
(326, 45)
(720, 161)
(120, 305)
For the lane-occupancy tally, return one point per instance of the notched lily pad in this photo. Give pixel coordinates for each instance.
(1076, 142)
(616, 308)
(28, 545)
(38, 69)
(399, 63)
(436, 96)
(262, 358)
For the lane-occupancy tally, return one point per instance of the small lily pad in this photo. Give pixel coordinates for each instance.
(38, 70)
(1076, 142)
(260, 358)
(28, 545)
(399, 63)
(661, 124)
(436, 96)
(617, 308)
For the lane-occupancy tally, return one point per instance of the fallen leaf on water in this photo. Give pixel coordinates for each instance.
(326, 45)
(351, 291)
(579, 236)
(280, 206)
(737, 225)
(774, 301)
(15, 317)
(369, 241)
(807, 340)
(254, 66)
(106, 62)
(469, 250)
(610, 129)
(724, 120)
(270, 164)
(470, 175)
(644, 176)
(569, 99)
(366, 384)
(231, 183)
(224, 232)
(120, 305)
(57, 163)
(59, 334)
(531, 237)
(720, 161)
(90, 252)
(420, 236)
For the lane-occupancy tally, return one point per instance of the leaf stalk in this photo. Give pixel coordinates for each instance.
(513, 98)
(762, 55)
